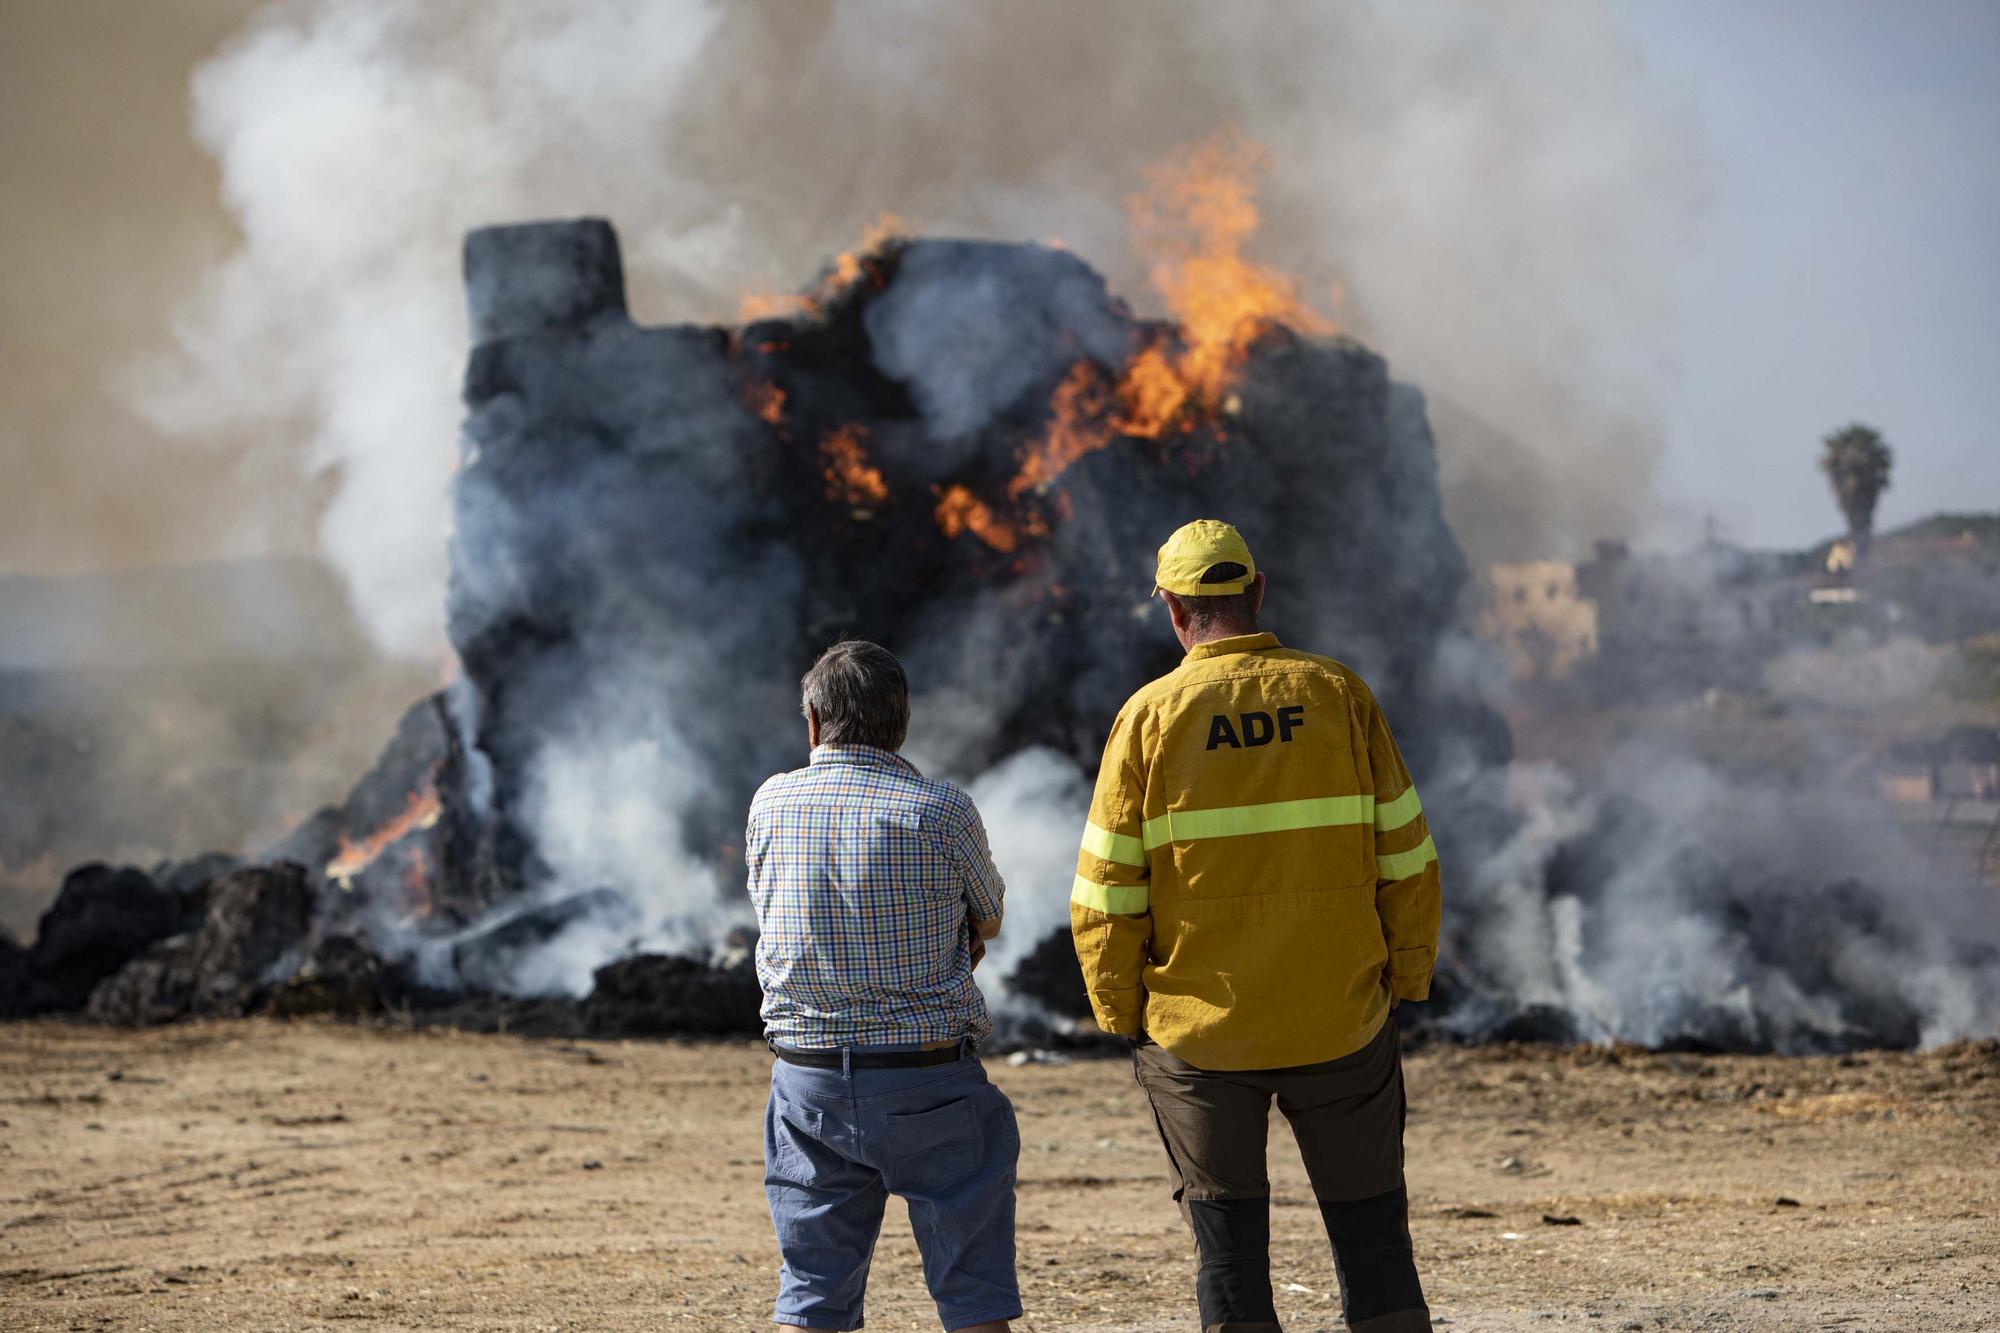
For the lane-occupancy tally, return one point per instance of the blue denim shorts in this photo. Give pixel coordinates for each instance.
(837, 1144)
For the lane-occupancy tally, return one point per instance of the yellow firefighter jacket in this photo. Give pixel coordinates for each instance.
(1257, 878)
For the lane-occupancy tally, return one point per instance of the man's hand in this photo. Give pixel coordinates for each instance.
(980, 930)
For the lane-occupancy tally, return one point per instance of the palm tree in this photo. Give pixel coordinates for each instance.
(1856, 462)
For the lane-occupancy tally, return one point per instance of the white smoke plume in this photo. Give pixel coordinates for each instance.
(1024, 799)
(1490, 192)
(1666, 903)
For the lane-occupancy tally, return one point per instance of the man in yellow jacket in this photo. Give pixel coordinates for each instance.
(1257, 890)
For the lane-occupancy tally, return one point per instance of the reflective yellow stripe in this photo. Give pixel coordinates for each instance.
(1120, 848)
(1111, 899)
(1392, 815)
(1270, 817)
(1401, 865)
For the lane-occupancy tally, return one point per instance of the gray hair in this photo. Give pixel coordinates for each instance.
(860, 695)
(1230, 611)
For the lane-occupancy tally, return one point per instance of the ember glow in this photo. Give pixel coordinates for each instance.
(770, 305)
(960, 511)
(848, 476)
(974, 442)
(767, 400)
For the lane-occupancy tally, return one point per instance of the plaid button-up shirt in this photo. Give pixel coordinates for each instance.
(864, 872)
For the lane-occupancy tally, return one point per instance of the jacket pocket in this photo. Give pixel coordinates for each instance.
(932, 1150)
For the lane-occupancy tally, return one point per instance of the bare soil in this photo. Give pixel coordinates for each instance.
(263, 1175)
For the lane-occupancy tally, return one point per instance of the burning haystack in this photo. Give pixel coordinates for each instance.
(963, 449)
(967, 451)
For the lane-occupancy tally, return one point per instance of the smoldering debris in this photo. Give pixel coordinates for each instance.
(103, 918)
(658, 995)
(256, 940)
(968, 451)
(1049, 976)
(657, 529)
(252, 926)
(144, 713)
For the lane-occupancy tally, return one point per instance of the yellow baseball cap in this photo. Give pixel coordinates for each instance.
(1196, 548)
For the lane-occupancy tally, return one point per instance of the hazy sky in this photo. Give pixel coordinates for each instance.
(1849, 258)
(1846, 264)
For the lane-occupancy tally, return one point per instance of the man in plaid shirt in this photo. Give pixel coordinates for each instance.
(875, 893)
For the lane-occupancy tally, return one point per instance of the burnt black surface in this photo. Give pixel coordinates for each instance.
(657, 995)
(252, 933)
(341, 977)
(156, 987)
(1049, 975)
(103, 917)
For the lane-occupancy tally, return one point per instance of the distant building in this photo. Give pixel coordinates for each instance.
(1538, 619)
(1626, 625)
(1969, 764)
(1962, 766)
(1907, 774)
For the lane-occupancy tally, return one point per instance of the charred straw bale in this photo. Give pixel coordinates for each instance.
(253, 934)
(103, 918)
(654, 995)
(156, 987)
(1049, 975)
(341, 977)
(254, 931)
(191, 878)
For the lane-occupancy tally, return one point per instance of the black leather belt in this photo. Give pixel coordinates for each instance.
(943, 1055)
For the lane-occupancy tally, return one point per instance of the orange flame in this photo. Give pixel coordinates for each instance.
(959, 510)
(767, 400)
(848, 475)
(1151, 395)
(846, 268)
(421, 811)
(1077, 425)
(772, 305)
(1193, 220)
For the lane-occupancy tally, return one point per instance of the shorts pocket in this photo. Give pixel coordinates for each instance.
(788, 1131)
(932, 1150)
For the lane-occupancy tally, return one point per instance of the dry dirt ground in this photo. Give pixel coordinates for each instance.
(260, 1175)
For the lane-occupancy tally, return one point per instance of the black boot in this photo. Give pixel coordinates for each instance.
(1379, 1291)
(1234, 1283)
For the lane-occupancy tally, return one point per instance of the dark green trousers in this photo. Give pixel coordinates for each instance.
(1347, 1116)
